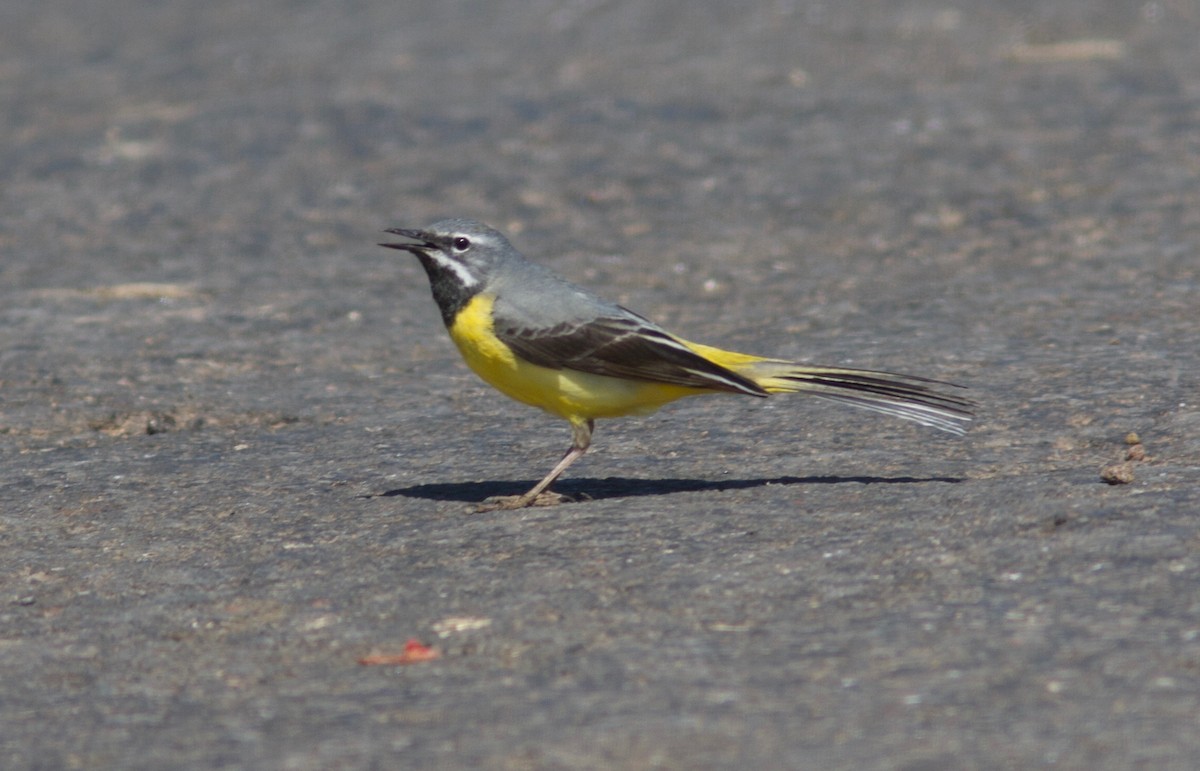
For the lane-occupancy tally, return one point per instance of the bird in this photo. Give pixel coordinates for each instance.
(544, 341)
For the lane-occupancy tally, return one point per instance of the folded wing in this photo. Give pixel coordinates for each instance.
(624, 346)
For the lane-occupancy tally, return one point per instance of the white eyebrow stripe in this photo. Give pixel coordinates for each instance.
(478, 239)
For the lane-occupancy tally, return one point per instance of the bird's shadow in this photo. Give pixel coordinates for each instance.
(625, 487)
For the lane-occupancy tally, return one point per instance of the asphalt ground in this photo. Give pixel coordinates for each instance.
(238, 453)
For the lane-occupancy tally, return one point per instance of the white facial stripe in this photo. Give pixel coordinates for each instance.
(465, 277)
(478, 239)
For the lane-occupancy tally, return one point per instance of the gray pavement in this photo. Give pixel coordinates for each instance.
(237, 450)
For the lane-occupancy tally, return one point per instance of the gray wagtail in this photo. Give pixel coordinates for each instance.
(543, 341)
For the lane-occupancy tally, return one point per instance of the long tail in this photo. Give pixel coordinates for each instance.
(903, 396)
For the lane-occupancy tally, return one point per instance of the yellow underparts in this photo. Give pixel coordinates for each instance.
(767, 373)
(575, 396)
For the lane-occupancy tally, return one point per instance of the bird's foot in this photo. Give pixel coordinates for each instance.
(505, 502)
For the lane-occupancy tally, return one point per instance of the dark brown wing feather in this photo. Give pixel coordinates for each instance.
(622, 346)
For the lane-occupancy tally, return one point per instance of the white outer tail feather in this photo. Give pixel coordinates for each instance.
(903, 396)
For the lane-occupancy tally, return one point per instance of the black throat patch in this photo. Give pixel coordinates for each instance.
(449, 292)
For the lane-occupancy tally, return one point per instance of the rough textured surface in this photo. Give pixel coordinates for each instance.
(237, 449)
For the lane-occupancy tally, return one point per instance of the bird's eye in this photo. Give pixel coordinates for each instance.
(462, 244)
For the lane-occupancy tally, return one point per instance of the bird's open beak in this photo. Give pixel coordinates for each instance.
(417, 235)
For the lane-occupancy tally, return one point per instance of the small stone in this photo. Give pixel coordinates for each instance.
(1117, 473)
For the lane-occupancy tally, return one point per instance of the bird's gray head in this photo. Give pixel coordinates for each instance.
(459, 255)
(461, 249)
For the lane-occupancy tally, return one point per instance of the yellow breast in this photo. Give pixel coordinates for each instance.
(569, 394)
